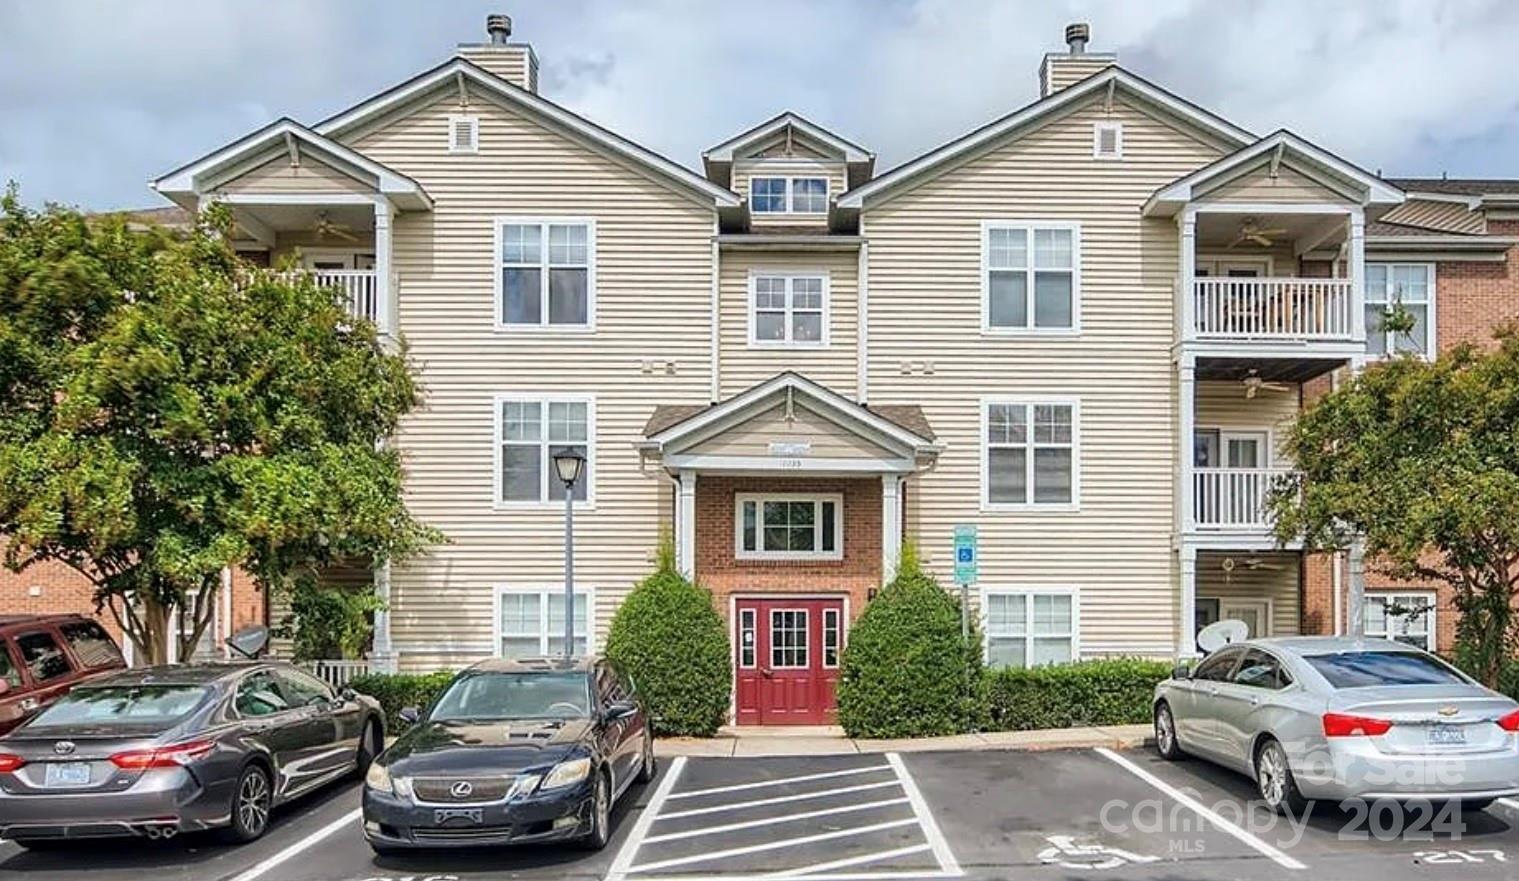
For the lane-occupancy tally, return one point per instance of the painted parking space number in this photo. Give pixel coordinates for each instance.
(1460, 857)
(1065, 851)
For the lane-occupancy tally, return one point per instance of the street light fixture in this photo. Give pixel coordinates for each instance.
(568, 465)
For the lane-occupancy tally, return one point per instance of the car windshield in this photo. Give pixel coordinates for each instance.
(122, 705)
(1371, 669)
(514, 696)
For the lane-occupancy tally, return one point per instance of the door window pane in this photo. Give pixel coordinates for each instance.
(746, 638)
(788, 638)
(831, 637)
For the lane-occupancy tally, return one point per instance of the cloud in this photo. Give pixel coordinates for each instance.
(97, 97)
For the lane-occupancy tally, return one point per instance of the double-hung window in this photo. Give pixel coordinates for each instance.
(530, 429)
(767, 195)
(1031, 278)
(1389, 286)
(788, 309)
(1405, 617)
(1029, 628)
(788, 195)
(530, 622)
(546, 273)
(1029, 453)
(789, 527)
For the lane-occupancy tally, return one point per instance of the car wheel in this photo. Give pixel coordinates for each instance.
(1274, 780)
(601, 815)
(1166, 742)
(252, 798)
(647, 767)
(369, 747)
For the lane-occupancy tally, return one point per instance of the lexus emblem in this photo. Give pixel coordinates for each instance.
(63, 747)
(1449, 711)
(461, 789)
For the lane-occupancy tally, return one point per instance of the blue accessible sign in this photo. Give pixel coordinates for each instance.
(965, 553)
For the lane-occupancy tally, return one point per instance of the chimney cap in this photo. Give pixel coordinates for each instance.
(499, 27)
(1076, 36)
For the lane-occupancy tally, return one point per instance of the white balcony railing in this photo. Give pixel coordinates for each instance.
(1233, 498)
(336, 673)
(359, 289)
(1273, 309)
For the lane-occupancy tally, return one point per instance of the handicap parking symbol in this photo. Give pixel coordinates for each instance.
(1066, 852)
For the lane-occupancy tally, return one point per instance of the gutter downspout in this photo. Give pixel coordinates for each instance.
(714, 388)
(862, 330)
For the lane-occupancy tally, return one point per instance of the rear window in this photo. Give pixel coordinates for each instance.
(1371, 669)
(91, 644)
(123, 705)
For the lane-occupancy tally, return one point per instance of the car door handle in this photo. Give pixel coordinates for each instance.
(766, 672)
(28, 704)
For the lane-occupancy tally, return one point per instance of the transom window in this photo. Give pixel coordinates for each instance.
(788, 639)
(789, 309)
(1405, 617)
(1030, 628)
(546, 276)
(794, 527)
(788, 195)
(1388, 285)
(529, 431)
(530, 622)
(1030, 453)
(1031, 279)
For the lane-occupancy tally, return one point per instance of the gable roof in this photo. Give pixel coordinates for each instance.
(1020, 120)
(458, 70)
(1276, 147)
(188, 181)
(848, 150)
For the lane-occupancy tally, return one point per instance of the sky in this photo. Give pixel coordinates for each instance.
(99, 96)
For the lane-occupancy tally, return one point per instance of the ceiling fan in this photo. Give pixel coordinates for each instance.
(1253, 384)
(1251, 232)
(326, 227)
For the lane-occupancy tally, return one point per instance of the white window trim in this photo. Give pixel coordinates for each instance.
(474, 135)
(807, 646)
(1432, 349)
(1428, 597)
(1237, 432)
(1267, 609)
(789, 274)
(1097, 129)
(790, 195)
(552, 492)
(1029, 592)
(986, 289)
(986, 475)
(838, 650)
(500, 224)
(759, 499)
(586, 594)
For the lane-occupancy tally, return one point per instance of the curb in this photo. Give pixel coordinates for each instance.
(1119, 737)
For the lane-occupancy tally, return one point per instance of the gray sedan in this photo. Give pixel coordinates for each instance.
(1335, 719)
(157, 751)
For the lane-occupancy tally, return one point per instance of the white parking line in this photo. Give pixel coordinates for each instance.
(815, 870)
(781, 781)
(770, 821)
(258, 869)
(779, 799)
(1204, 811)
(1510, 803)
(931, 831)
(772, 845)
(640, 830)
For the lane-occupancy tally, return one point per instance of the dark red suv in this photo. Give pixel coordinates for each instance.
(43, 656)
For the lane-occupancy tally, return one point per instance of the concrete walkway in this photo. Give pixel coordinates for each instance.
(823, 740)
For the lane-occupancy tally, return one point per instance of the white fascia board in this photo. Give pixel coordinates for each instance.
(851, 151)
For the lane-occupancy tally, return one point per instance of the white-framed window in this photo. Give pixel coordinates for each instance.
(1411, 285)
(1030, 627)
(463, 134)
(788, 195)
(1107, 140)
(183, 620)
(788, 526)
(1030, 276)
(1404, 616)
(809, 195)
(545, 273)
(529, 621)
(767, 195)
(788, 639)
(530, 428)
(1030, 453)
(788, 308)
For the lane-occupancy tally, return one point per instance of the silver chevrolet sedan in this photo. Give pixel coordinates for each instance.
(1334, 718)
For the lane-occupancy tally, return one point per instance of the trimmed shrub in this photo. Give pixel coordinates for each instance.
(1108, 692)
(906, 671)
(671, 640)
(396, 691)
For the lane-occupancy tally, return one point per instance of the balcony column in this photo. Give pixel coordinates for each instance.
(386, 309)
(1358, 275)
(1186, 420)
(1186, 617)
(685, 525)
(382, 655)
(1187, 307)
(1355, 612)
(891, 526)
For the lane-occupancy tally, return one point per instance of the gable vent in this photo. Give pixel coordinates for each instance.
(1107, 140)
(463, 134)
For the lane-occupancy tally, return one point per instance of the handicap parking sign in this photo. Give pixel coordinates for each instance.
(965, 553)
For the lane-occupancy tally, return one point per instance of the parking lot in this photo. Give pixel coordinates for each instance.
(1049, 815)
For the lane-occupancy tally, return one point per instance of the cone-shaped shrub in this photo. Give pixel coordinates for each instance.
(906, 672)
(671, 640)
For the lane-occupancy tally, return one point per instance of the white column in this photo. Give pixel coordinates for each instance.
(386, 307)
(1186, 418)
(1187, 311)
(862, 328)
(382, 655)
(1355, 612)
(891, 525)
(1186, 618)
(685, 525)
(1358, 275)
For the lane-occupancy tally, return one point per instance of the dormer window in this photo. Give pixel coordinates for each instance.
(809, 195)
(463, 134)
(793, 195)
(767, 195)
(1107, 140)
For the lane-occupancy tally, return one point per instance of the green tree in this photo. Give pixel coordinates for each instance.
(328, 620)
(167, 410)
(1421, 459)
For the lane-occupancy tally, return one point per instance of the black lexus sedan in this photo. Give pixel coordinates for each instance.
(512, 752)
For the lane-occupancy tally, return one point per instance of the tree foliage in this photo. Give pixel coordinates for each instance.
(328, 620)
(1421, 459)
(167, 410)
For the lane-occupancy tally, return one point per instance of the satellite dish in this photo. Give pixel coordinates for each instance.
(1221, 633)
(250, 642)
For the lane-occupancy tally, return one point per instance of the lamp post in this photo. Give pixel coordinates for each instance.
(568, 464)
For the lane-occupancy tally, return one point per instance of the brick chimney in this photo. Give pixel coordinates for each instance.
(516, 63)
(1062, 69)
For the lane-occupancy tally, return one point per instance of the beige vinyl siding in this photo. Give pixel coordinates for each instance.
(279, 176)
(1223, 405)
(1445, 216)
(1289, 185)
(741, 366)
(513, 63)
(925, 305)
(652, 301)
(1279, 585)
(1061, 71)
(745, 169)
(753, 438)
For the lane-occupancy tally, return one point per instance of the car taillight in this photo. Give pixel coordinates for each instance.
(10, 762)
(1341, 725)
(163, 757)
(1510, 722)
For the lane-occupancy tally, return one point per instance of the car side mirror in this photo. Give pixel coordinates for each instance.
(348, 695)
(620, 710)
(409, 715)
(1182, 670)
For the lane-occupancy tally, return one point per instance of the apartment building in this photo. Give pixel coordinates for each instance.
(1080, 328)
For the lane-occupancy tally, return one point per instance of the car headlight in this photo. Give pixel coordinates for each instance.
(567, 773)
(378, 779)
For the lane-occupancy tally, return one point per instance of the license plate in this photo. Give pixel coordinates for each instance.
(63, 774)
(1446, 735)
(458, 816)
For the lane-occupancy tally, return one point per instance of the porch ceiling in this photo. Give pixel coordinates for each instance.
(1269, 369)
(1217, 231)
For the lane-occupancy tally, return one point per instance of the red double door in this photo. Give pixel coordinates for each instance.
(787, 660)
